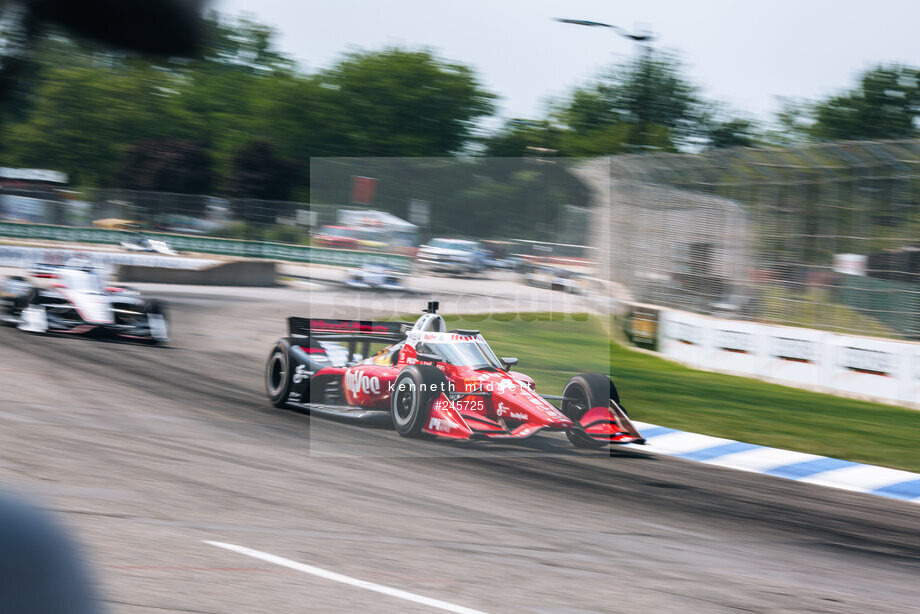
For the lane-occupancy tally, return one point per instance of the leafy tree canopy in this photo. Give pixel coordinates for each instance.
(884, 105)
(644, 104)
(81, 109)
(406, 103)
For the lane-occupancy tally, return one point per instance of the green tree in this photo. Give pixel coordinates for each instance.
(884, 105)
(220, 95)
(179, 166)
(260, 174)
(88, 106)
(83, 107)
(84, 118)
(646, 103)
(246, 45)
(509, 197)
(399, 102)
(792, 123)
(736, 132)
(519, 137)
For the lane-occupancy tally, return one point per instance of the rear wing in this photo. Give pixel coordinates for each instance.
(348, 330)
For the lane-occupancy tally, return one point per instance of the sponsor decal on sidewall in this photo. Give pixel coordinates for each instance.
(358, 382)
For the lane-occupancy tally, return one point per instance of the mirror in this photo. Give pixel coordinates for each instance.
(429, 358)
(508, 362)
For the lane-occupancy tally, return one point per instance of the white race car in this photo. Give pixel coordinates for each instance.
(375, 277)
(137, 242)
(75, 299)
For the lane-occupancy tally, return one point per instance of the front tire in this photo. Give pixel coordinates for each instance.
(416, 387)
(17, 292)
(33, 316)
(278, 375)
(157, 321)
(586, 391)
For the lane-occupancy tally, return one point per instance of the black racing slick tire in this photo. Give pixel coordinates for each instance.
(582, 393)
(32, 307)
(155, 307)
(15, 292)
(278, 374)
(416, 387)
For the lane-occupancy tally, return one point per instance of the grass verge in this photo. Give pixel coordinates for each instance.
(658, 391)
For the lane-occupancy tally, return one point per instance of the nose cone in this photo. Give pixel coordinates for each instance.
(94, 309)
(561, 422)
(524, 405)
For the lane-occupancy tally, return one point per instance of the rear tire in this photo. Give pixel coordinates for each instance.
(415, 388)
(587, 390)
(278, 375)
(17, 293)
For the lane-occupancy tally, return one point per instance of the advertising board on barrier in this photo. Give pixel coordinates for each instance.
(873, 367)
(735, 343)
(878, 368)
(210, 245)
(914, 391)
(682, 336)
(13, 256)
(795, 355)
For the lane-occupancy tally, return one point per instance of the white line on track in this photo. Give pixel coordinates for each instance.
(337, 577)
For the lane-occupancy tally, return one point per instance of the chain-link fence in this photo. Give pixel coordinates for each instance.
(529, 198)
(251, 219)
(822, 236)
(525, 207)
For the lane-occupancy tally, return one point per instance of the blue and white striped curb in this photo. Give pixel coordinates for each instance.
(798, 466)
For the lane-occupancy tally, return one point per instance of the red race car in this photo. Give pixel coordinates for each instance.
(434, 381)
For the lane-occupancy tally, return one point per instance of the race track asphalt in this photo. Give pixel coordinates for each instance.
(146, 452)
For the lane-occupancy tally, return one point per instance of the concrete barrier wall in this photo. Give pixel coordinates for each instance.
(863, 366)
(258, 273)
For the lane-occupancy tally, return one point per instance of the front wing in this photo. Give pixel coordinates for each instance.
(446, 420)
(64, 318)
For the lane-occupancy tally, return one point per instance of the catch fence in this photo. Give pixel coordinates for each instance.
(822, 236)
(196, 222)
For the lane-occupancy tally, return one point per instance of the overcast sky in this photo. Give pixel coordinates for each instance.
(740, 52)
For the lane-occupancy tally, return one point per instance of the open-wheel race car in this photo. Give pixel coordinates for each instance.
(375, 277)
(435, 382)
(76, 299)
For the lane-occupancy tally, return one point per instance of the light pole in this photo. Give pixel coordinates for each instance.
(639, 38)
(642, 39)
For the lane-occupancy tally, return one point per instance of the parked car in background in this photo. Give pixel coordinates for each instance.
(455, 256)
(499, 256)
(554, 278)
(341, 237)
